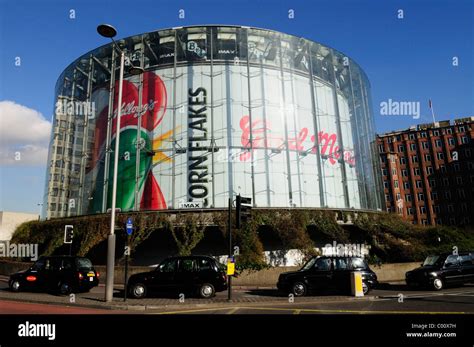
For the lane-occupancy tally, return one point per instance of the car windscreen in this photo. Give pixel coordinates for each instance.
(309, 264)
(83, 263)
(431, 260)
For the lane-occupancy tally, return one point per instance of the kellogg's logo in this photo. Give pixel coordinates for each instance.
(326, 141)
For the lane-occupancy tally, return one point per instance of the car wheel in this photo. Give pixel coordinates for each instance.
(299, 289)
(438, 284)
(15, 286)
(207, 291)
(138, 290)
(64, 288)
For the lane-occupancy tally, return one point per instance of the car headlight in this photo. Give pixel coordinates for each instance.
(434, 274)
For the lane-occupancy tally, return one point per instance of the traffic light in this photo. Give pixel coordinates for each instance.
(243, 210)
(68, 233)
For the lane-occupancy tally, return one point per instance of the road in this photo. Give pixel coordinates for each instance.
(390, 299)
(15, 307)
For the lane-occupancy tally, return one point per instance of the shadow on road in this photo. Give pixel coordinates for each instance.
(266, 292)
(398, 287)
(277, 294)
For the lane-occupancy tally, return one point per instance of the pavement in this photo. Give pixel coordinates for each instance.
(390, 298)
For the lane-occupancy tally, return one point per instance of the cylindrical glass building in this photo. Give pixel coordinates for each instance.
(219, 111)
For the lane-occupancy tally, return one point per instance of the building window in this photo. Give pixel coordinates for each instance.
(406, 185)
(434, 196)
(381, 149)
(421, 197)
(440, 156)
(423, 134)
(438, 143)
(409, 211)
(436, 133)
(467, 152)
(411, 136)
(395, 184)
(419, 184)
(451, 141)
(413, 146)
(388, 198)
(470, 165)
(446, 181)
(464, 140)
(414, 159)
(408, 197)
(422, 210)
(425, 145)
(404, 173)
(461, 129)
(398, 197)
(459, 180)
(449, 131)
(403, 161)
(437, 209)
(429, 170)
(457, 167)
(394, 172)
(432, 183)
(384, 172)
(416, 171)
(424, 222)
(447, 195)
(427, 157)
(401, 148)
(443, 168)
(461, 193)
(386, 185)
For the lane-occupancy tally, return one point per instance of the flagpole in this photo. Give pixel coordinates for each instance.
(432, 112)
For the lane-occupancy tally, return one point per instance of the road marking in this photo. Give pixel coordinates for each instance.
(298, 311)
(233, 310)
(347, 311)
(195, 310)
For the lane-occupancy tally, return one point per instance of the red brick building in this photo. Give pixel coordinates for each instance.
(428, 172)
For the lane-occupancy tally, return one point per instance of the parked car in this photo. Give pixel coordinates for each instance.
(199, 275)
(327, 273)
(59, 274)
(441, 270)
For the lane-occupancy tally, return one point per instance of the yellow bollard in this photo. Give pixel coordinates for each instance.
(356, 284)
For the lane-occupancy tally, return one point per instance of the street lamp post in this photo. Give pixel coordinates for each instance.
(40, 208)
(109, 31)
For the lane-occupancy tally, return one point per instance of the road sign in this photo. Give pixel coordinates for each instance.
(129, 226)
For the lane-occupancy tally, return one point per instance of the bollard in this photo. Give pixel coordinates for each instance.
(356, 284)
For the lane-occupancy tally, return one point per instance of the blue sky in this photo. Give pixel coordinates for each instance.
(407, 59)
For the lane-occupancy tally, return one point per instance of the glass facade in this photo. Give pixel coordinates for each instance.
(219, 111)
